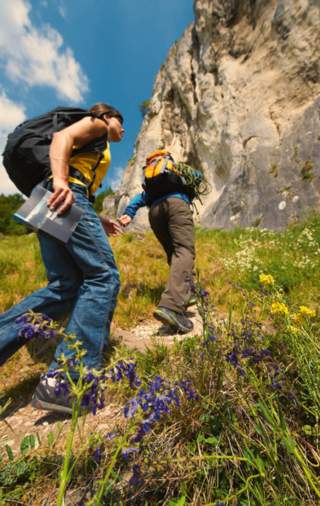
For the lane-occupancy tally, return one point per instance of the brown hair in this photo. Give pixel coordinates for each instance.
(99, 110)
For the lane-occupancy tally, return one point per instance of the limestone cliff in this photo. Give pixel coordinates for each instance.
(238, 97)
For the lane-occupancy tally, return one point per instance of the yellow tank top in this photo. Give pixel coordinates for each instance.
(85, 162)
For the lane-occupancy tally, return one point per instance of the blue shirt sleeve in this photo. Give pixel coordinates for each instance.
(135, 204)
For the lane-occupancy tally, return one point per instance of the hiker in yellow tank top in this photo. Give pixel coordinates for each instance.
(83, 279)
(92, 167)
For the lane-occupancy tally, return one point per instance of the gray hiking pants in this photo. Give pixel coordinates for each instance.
(171, 221)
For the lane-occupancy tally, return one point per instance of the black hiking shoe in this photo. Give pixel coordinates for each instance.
(176, 320)
(46, 397)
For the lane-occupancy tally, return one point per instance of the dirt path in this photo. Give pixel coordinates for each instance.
(26, 420)
(148, 334)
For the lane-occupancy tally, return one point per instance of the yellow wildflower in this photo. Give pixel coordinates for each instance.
(279, 308)
(266, 279)
(296, 317)
(293, 330)
(306, 311)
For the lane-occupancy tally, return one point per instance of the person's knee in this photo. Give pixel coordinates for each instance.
(183, 251)
(105, 279)
(67, 287)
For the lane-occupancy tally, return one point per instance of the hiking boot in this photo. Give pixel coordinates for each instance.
(46, 397)
(191, 302)
(176, 320)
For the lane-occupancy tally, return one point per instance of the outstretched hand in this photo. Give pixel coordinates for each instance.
(125, 220)
(111, 227)
(62, 197)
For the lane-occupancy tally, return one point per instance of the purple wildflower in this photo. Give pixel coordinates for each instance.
(111, 435)
(128, 453)
(93, 383)
(255, 356)
(156, 384)
(93, 397)
(136, 478)
(156, 400)
(188, 390)
(52, 333)
(52, 373)
(72, 363)
(276, 381)
(128, 370)
(35, 325)
(130, 408)
(23, 319)
(247, 352)
(211, 338)
(28, 331)
(97, 454)
(233, 358)
(62, 386)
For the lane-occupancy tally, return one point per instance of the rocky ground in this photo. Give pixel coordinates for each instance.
(22, 419)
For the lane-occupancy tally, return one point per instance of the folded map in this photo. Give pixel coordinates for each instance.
(36, 214)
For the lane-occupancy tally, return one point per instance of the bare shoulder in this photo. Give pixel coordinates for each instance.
(84, 130)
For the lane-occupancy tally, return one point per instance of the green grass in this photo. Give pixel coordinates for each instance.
(21, 270)
(224, 259)
(252, 436)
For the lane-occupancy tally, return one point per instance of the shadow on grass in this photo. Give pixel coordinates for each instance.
(167, 330)
(153, 293)
(50, 418)
(42, 351)
(19, 394)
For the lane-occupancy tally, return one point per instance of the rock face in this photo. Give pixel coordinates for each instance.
(238, 97)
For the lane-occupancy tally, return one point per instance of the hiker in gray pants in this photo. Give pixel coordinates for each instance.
(170, 217)
(171, 221)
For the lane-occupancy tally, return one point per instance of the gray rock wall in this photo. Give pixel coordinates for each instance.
(238, 98)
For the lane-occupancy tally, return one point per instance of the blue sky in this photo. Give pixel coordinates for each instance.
(78, 52)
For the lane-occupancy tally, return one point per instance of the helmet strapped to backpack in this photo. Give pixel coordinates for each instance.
(26, 154)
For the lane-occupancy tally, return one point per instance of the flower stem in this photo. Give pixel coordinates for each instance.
(97, 498)
(64, 473)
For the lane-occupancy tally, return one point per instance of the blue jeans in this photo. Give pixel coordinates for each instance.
(82, 278)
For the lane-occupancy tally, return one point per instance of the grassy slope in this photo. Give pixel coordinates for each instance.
(224, 260)
(237, 415)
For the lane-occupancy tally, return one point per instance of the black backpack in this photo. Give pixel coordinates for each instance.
(26, 154)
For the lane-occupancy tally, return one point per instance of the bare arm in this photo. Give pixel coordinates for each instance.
(111, 227)
(79, 134)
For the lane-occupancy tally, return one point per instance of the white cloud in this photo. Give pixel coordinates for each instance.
(35, 55)
(11, 114)
(6, 185)
(62, 10)
(114, 179)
